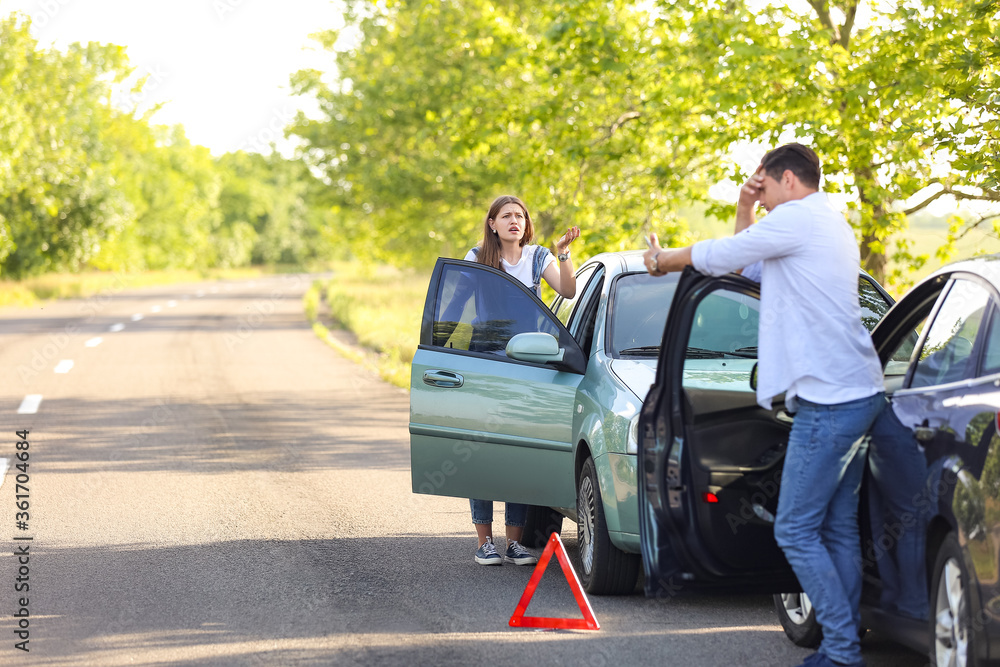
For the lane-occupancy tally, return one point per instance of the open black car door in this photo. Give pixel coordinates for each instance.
(710, 458)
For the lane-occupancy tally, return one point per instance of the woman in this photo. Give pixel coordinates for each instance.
(506, 245)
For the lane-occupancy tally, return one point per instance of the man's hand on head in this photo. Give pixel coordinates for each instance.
(750, 195)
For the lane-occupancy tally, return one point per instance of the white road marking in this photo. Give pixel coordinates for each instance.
(93, 342)
(137, 317)
(200, 293)
(3, 469)
(155, 309)
(29, 405)
(116, 327)
(171, 304)
(64, 366)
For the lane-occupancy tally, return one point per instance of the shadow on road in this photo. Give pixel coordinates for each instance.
(264, 432)
(391, 600)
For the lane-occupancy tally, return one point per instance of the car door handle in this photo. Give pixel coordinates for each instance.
(784, 416)
(445, 379)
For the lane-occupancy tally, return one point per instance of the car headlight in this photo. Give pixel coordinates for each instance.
(632, 446)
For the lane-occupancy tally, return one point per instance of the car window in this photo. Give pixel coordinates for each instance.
(584, 320)
(722, 345)
(991, 353)
(899, 362)
(639, 304)
(564, 309)
(480, 310)
(874, 305)
(946, 355)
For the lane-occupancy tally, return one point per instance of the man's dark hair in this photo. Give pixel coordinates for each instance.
(800, 160)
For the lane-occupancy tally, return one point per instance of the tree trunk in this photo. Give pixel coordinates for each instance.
(873, 262)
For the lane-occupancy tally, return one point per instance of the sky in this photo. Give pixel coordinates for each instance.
(221, 68)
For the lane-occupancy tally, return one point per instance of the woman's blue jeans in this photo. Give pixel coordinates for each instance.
(515, 514)
(817, 521)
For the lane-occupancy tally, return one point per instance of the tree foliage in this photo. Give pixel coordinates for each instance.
(86, 184)
(613, 115)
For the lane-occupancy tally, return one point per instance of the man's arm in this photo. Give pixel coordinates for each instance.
(747, 203)
(660, 262)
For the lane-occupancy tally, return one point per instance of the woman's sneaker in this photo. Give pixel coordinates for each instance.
(519, 555)
(487, 554)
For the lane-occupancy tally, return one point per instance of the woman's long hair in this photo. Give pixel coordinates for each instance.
(489, 247)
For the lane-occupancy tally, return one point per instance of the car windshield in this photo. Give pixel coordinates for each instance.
(639, 311)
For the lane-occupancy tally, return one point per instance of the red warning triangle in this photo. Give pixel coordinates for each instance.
(588, 622)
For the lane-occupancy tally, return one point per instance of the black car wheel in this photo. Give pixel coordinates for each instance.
(798, 618)
(604, 568)
(950, 626)
(541, 522)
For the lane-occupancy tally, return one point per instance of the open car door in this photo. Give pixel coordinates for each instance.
(710, 458)
(492, 391)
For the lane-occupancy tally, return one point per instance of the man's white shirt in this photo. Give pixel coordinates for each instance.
(811, 342)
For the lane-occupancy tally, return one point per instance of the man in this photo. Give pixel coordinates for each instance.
(814, 348)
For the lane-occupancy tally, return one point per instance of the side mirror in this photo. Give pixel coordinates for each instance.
(538, 348)
(753, 377)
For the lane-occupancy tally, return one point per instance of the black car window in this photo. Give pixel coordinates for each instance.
(639, 312)
(874, 305)
(946, 355)
(564, 309)
(991, 352)
(479, 310)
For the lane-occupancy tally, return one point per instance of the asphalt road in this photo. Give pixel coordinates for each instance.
(209, 483)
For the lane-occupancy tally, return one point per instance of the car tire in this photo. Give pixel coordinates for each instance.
(950, 617)
(541, 522)
(604, 569)
(798, 618)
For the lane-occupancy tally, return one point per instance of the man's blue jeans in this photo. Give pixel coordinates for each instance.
(817, 522)
(905, 493)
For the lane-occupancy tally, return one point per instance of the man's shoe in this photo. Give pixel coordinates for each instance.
(818, 659)
(487, 554)
(519, 555)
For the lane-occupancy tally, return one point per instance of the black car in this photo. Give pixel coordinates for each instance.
(710, 466)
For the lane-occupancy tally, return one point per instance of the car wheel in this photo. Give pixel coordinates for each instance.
(540, 523)
(950, 626)
(798, 618)
(604, 568)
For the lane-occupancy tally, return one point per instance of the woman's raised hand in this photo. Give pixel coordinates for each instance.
(572, 234)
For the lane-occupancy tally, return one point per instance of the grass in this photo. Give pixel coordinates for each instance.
(382, 308)
(76, 285)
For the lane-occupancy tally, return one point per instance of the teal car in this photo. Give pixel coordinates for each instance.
(516, 401)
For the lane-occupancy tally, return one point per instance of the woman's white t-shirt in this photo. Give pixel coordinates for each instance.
(521, 270)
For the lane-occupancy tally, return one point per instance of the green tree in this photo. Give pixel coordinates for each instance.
(441, 106)
(59, 196)
(879, 100)
(273, 198)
